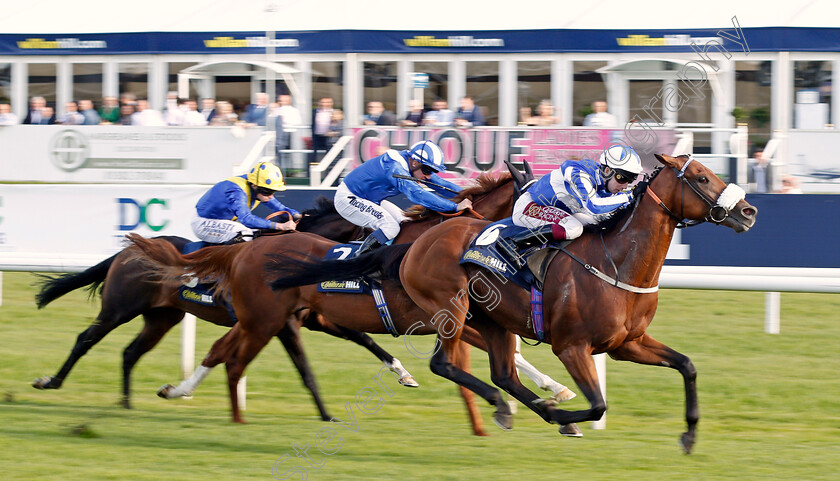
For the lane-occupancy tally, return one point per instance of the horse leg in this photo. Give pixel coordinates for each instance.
(290, 337)
(441, 365)
(104, 324)
(249, 345)
(316, 322)
(461, 360)
(220, 352)
(579, 363)
(501, 348)
(157, 323)
(544, 381)
(647, 350)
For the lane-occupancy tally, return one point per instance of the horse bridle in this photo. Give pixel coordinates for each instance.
(718, 209)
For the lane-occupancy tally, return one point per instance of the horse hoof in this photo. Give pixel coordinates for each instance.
(504, 421)
(564, 395)
(514, 406)
(408, 381)
(43, 382)
(570, 430)
(687, 442)
(125, 402)
(165, 390)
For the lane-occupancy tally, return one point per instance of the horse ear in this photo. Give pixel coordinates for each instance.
(669, 161)
(518, 178)
(529, 173)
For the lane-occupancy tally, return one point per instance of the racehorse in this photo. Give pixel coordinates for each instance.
(585, 314)
(262, 313)
(126, 294)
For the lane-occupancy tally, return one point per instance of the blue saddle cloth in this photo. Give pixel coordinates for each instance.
(355, 286)
(483, 251)
(191, 247)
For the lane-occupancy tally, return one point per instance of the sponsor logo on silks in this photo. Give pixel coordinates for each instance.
(452, 41)
(60, 43)
(666, 41)
(251, 42)
(199, 297)
(364, 208)
(341, 285)
(491, 262)
(133, 214)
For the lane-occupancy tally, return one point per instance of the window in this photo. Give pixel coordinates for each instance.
(752, 98)
(533, 84)
(438, 81)
(42, 81)
(589, 87)
(811, 94)
(327, 81)
(134, 79)
(483, 86)
(87, 82)
(380, 83)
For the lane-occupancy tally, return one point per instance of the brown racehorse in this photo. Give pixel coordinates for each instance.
(584, 314)
(262, 313)
(126, 295)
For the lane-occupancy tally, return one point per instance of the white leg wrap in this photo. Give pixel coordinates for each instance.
(188, 386)
(406, 379)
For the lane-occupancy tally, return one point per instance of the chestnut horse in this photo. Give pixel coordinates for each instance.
(126, 295)
(262, 313)
(584, 314)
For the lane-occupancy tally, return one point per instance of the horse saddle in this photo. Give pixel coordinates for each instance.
(493, 250)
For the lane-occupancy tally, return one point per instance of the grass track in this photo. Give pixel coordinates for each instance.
(769, 405)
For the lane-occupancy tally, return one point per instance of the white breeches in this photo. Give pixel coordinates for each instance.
(217, 231)
(362, 212)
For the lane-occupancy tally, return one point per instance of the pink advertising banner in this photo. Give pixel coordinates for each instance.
(471, 152)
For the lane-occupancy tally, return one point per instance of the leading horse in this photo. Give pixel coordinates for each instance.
(585, 314)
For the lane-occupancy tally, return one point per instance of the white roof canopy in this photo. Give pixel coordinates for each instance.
(259, 69)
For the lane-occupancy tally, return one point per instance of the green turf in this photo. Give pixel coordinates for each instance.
(769, 405)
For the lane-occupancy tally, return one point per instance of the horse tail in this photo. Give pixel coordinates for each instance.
(53, 287)
(212, 264)
(310, 270)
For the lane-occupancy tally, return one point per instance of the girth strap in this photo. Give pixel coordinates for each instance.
(615, 282)
(382, 308)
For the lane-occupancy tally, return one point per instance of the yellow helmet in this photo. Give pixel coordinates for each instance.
(266, 175)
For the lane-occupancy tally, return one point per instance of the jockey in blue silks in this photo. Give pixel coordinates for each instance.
(223, 213)
(361, 197)
(579, 192)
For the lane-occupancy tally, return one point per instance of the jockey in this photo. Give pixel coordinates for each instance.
(577, 193)
(224, 212)
(361, 197)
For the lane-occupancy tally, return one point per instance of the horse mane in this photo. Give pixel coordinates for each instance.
(484, 183)
(324, 208)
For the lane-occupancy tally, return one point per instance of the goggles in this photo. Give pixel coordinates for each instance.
(624, 177)
(426, 169)
(265, 191)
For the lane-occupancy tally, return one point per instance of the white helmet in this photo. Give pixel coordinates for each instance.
(623, 158)
(429, 154)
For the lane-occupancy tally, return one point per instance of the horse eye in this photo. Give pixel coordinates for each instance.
(703, 180)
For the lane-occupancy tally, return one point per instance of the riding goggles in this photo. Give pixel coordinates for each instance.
(265, 191)
(427, 170)
(624, 177)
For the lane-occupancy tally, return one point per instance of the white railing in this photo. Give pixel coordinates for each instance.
(316, 170)
(738, 148)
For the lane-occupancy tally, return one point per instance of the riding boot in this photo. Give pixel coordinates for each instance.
(539, 235)
(375, 239)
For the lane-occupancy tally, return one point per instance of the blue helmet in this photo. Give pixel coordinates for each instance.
(428, 153)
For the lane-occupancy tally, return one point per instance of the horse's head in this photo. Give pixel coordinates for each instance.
(699, 195)
(492, 195)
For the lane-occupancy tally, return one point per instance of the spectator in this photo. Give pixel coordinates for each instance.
(6, 115)
(525, 115)
(761, 173)
(321, 120)
(173, 113)
(469, 114)
(126, 113)
(600, 117)
(790, 185)
(255, 114)
(545, 115)
(440, 115)
(336, 128)
(290, 119)
(414, 116)
(191, 116)
(208, 108)
(71, 115)
(109, 113)
(147, 116)
(89, 113)
(225, 116)
(47, 116)
(377, 115)
(128, 98)
(36, 112)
